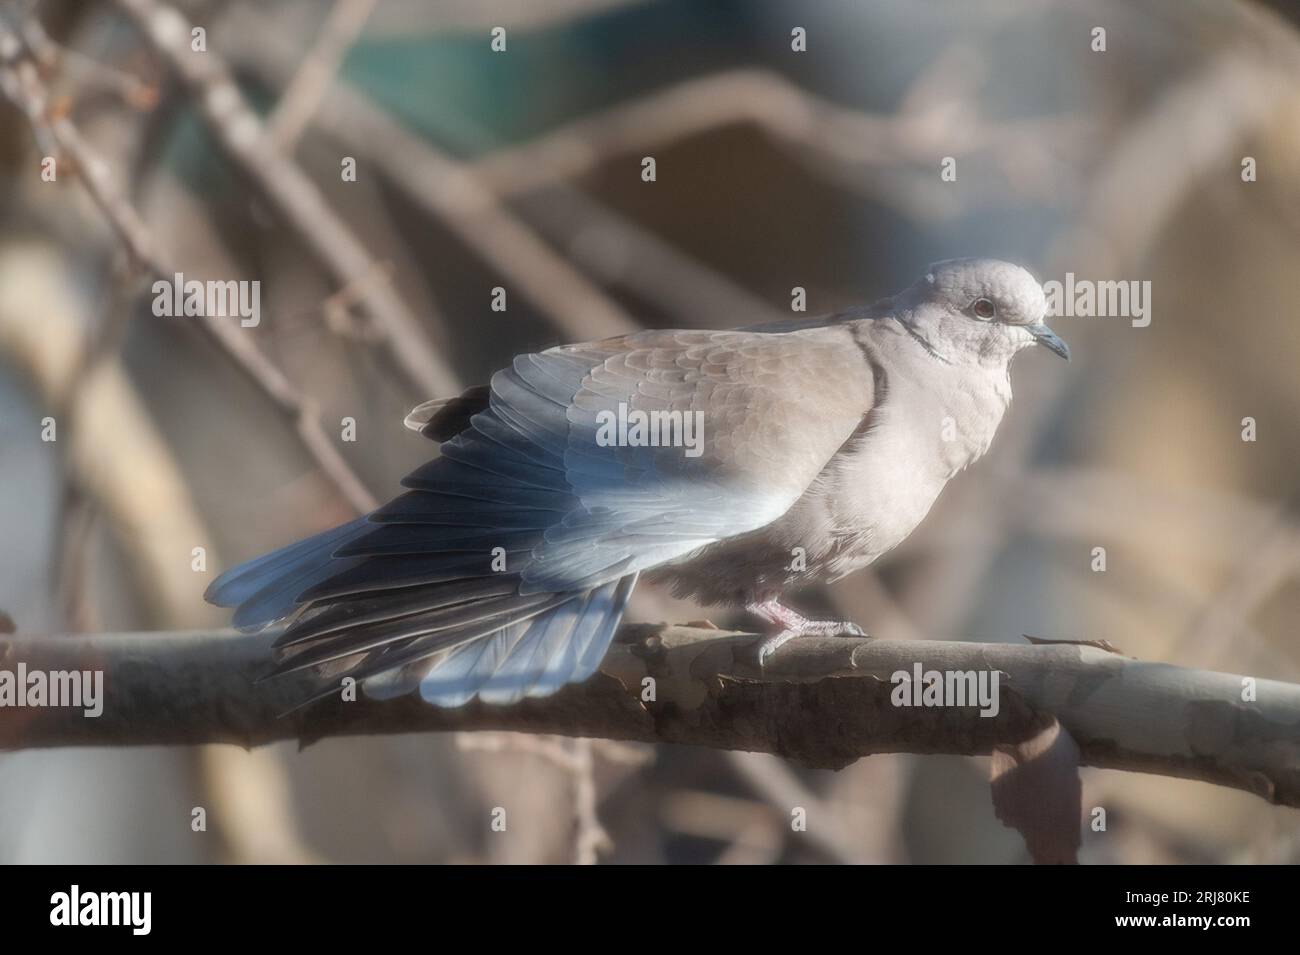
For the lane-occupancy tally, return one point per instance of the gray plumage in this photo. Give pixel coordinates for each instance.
(503, 571)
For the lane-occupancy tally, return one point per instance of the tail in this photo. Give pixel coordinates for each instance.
(529, 657)
(266, 588)
(444, 624)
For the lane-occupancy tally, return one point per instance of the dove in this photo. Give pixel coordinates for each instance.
(732, 466)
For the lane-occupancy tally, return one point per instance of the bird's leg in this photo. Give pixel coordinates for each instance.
(794, 624)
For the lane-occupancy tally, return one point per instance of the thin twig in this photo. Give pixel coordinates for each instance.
(591, 839)
(813, 127)
(289, 190)
(21, 84)
(575, 758)
(446, 190)
(614, 248)
(777, 783)
(91, 73)
(300, 101)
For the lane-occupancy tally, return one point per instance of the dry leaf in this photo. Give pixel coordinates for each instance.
(1037, 791)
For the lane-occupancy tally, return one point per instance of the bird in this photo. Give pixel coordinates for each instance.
(731, 466)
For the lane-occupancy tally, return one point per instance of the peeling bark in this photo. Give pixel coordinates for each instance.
(822, 702)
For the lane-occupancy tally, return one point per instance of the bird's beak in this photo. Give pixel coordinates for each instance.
(1048, 338)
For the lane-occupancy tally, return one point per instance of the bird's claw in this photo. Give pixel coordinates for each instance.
(811, 628)
(769, 646)
(794, 624)
(843, 628)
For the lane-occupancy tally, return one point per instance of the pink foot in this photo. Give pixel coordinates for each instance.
(794, 624)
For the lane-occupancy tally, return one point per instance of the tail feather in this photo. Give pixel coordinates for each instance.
(243, 582)
(563, 645)
(461, 672)
(353, 613)
(528, 660)
(438, 623)
(279, 597)
(376, 575)
(439, 629)
(596, 631)
(560, 659)
(432, 646)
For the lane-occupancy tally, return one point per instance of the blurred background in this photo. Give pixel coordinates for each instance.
(776, 168)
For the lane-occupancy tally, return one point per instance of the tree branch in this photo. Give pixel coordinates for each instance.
(304, 95)
(21, 84)
(823, 702)
(445, 188)
(836, 141)
(289, 190)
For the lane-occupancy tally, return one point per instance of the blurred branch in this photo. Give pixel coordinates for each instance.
(290, 190)
(1223, 103)
(251, 799)
(86, 73)
(751, 832)
(20, 82)
(1268, 563)
(445, 189)
(617, 250)
(299, 103)
(406, 18)
(116, 455)
(840, 139)
(591, 838)
(777, 783)
(622, 253)
(1285, 9)
(822, 702)
(124, 469)
(573, 757)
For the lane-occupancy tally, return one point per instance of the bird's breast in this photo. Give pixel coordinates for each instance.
(883, 483)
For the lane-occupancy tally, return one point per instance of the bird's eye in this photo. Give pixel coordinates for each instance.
(984, 308)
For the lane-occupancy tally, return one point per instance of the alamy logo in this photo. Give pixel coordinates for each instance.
(1084, 298)
(195, 299)
(53, 688)
(632, 428)
(946, 688)
(103, 908)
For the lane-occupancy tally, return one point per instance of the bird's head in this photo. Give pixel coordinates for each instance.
(978, 309)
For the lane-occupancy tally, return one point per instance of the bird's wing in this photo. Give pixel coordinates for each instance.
(763, 412)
